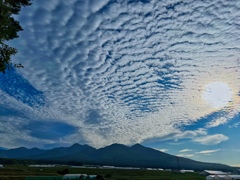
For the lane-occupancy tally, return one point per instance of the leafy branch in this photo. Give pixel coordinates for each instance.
(9, 29)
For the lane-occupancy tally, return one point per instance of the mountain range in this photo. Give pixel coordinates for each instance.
(113, 155)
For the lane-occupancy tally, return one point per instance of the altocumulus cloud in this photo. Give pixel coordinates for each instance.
(120, 71)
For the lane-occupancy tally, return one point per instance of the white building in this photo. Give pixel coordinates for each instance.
(234, 177)
(92, 176)
(107, 167)
(169, 170)
(74, 176)
(126, 168)
(223, 177)
(43, 165)
(78, 166)
(210, 172)
(186, 171)
(210, 177)
(218, 177)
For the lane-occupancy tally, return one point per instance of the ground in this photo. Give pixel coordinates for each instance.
(22, 172)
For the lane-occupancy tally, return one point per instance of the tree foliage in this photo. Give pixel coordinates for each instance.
(9, 29)
(63, 172)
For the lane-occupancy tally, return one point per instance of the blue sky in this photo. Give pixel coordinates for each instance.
(161, 73)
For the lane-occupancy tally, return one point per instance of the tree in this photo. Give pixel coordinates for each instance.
(63, 172)
(9, 29)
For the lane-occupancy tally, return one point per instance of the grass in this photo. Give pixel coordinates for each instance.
(21, 172)
(118, 174)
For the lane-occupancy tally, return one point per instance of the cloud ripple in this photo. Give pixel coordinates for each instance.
(125, 71)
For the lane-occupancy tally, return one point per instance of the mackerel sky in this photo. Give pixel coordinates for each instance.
(161, 73)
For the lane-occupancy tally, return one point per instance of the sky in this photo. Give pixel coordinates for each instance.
(164, 74)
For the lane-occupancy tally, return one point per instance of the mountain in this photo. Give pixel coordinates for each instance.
(60, 152)
(115, 155)
(20, 152)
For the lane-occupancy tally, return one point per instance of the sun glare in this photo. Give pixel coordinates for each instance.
(217, 94)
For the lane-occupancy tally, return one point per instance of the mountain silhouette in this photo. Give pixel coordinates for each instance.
(112, 155)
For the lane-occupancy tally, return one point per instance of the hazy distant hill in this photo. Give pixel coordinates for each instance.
(20, 152)
(115, 154)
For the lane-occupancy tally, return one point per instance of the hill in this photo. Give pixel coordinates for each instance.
(113, 155)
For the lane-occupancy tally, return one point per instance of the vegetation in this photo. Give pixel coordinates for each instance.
(10, 161)
(9, 29)
(20, 172)
(63, 172)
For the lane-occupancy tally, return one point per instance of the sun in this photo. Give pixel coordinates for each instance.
(217, 94)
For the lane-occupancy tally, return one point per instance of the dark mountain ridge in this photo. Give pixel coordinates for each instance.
(20, 152)
(113, 155)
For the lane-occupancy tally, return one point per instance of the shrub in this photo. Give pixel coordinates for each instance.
(63, 172)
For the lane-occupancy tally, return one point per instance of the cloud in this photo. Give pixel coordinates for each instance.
(186, 155)
(162, 150)
(198, 136)
(208, 151)
(191, 134)
(235, 125)
(176, 135)
(186, 150)
(121, 71)
(221, 119)
(211, 139)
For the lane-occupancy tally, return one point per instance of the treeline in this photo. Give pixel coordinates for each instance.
(6, 161)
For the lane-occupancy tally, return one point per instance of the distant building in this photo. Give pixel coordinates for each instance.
(217, 177)
(211, 172)
(169, 170)
(1, 166)
(223, 177)
(108, 167)
(79, 176)
(126, 168)
(43, 165)
(234, 177)
(78, 166)
(186, 171)
(210, 177)
(92, 176)
(74, 176)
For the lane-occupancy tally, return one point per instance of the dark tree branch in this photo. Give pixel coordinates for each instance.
(9, 29)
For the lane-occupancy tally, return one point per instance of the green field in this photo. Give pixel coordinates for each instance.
(20, 172)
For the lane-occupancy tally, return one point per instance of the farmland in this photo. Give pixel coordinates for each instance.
(20, 172)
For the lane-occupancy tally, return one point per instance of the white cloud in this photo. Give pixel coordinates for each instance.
(186, 155)
(186, 150)
(208, 151)
(162, 150)
(211, 139)
(235, 125)
(200, 136)
(191, 134)
(140, 67)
